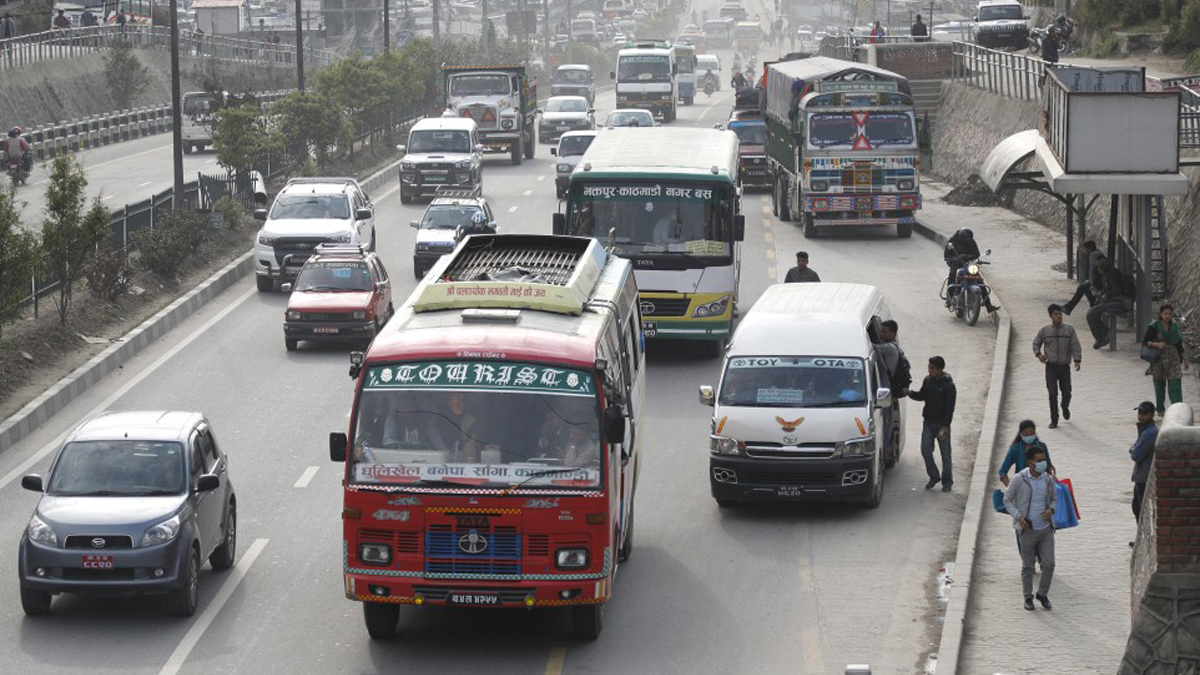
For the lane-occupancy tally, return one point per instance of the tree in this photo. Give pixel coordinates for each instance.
(244, 139)
(19, 260)
(69, 235)
(125, 74)
(356, 86)
(311, 125)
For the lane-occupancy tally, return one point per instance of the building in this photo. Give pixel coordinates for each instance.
(221, 17)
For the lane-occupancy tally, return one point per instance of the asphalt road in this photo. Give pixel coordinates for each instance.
(791, 590)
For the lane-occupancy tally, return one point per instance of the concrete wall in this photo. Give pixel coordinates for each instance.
(64, 89)
(916, 61)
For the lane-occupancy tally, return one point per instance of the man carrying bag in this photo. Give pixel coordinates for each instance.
(1031, 500)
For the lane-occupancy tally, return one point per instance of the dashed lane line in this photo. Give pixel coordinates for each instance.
(554, 665)
(306, 477)
(513, 209)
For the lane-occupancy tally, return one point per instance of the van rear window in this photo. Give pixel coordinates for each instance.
(794, 382)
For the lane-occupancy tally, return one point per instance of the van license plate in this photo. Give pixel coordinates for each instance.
(789, 491)
(97, 562)
(474, 599)
(650, 329)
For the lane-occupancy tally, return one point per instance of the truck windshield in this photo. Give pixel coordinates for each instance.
(827, 130)
(998, 12)
(645, 68)
(311, 206)
(750, 134)
(572, 76)
(793, 382)
(479, 85)
(654, 218)
(474, 423)
(439, 141)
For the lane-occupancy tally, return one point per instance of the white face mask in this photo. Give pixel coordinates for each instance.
(1029, 439)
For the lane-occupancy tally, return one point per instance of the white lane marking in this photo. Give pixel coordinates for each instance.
(541, 178)
(527, 192)
(106, 198)
(173, 664)
(124, 389)
(122, 158)
(144, 184)
(513, 209)
(554, 665)
(306, 477)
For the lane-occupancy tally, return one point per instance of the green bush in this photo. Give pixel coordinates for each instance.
(163, 250)
(108, 273)
(1107, 48)
(232, 213)
(1192, 64)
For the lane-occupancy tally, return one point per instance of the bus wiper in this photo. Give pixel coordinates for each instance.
(541, 474)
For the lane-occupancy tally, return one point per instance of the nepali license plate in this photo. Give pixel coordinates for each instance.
(97, 562)
(650, 329)
(474, 599)
(562, 128)
(789, 491)
(327, 330)
(435, 178)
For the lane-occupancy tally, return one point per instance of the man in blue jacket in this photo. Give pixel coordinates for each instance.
(1142, 454)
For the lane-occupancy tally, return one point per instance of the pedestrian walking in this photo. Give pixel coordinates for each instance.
(1142, 454)
(1018, 452)
(1163, 334)
(876, 33)
(1115, 295)
(1030, 500)
(8, 32)
(801, 272)
(919, 31)
(1089, 257)
(939, 395)
(1057, 346)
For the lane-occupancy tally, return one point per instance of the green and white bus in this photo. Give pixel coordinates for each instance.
(676, 215)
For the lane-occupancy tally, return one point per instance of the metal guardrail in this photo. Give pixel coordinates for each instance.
(1005, 73)
(66, 43)
(1189, 119)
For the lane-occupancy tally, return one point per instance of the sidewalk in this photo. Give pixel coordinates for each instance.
(1087, 630)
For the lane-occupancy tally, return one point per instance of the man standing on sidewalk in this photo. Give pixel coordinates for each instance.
(1057, 346)
(1142, 454)
(1030, 500)
(939, 395)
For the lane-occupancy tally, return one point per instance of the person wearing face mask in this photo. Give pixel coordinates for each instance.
(1030, 500)
(1018, 453)
(1142, 454)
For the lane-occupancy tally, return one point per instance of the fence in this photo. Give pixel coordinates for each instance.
(58, 44)
(1189, 118)
(1004, 73)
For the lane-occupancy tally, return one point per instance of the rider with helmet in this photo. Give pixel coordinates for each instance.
(479, 225)
(961, 249)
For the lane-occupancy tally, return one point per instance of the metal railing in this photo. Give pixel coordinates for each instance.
(1007, 74)
(66, 43)
(1189, 119)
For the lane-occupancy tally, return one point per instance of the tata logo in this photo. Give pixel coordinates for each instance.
(789, 427)
(642, 262)
(471, 520)
(472, 543)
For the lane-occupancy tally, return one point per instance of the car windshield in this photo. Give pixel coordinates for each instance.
(311, 206)
(334, 275)
(479, 85)
(653, 218)
(574, 145)
(473, 423)
(439, 141)
(578, 105)
(750, 134)
(571, 76)
(448, 217)
(629, 118)
(841, 129)
(997, 12)
(793, 382)
(643, 68)
(117, 467)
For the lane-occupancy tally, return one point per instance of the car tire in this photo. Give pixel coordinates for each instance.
(223, 557)
(587, 621)
(183, 601)
(35, 602)
(381, 619)
(265, 284)
(291, 344)
(726, 503)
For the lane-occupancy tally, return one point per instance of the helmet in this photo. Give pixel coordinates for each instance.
(479, 218)
(966, 233)
(1062, 18)
(1053, 30)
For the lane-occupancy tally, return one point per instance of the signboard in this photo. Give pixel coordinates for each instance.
(626, 191)
(824, 86)
(1111, 81)
(480, 375)
(474, 474)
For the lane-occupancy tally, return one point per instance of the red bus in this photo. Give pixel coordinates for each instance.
(493, 448)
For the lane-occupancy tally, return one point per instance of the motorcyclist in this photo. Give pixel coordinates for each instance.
(16, 148)
(960, 250)
(737, 60)
(739, 80)
(710, 82)
(1065, 28)
(1050, 45)
(479, 225)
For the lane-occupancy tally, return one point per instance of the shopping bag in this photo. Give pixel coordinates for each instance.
(998, 501)
(1071, 488)
(1064, 510)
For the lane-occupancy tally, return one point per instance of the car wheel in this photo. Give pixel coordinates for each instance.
(586, 621)
(35, 602)
(291, 344)
(726, 503)
(405, 199)
(183, 601)
(265, 284)
(381, 619)
(223, 557)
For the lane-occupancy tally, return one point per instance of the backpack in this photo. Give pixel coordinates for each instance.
(902, 378)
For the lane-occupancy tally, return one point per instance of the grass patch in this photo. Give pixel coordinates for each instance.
(1107, 48)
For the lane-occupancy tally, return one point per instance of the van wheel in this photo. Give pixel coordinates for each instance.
(35, 602)
(586, 622)
(810, 227)
(876, 497)
(894, 456)
(381, 619)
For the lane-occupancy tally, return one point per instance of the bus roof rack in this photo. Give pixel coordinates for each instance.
(515, 271)
(449, 192)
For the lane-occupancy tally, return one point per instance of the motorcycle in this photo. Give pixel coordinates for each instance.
(710, 84)
(1038, 34)
(18, 170)
(966, 297)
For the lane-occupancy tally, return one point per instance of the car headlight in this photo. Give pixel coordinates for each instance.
(972, 269)
(424, 247)
(462, 165)
(723, 445)
(820, 185)
(856, 446)
(41, 532)
(506, 124)
(905, 184)
(267, 240)
(408, 166)
(715, 308)
(358, 315)
(571, 558)
(162, 533)
(341, 239)
(563, 168)
(293, 315)
(375, 554)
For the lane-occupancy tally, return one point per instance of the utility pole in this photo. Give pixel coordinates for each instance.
(546, 28)
(299, 49)
(437, 24)
(176, 108)
(568, 21)
(387, 27)
(483, 25)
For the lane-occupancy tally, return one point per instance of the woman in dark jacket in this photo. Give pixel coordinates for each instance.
(1017, 452)
(1164, 335)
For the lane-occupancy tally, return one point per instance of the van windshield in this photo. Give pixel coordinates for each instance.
(794, 382)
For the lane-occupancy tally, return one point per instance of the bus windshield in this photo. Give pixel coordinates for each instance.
(475, 423)
(646, 68)
(882, 129)
(794, 382)
(655, 218)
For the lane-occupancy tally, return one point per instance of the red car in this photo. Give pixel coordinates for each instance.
(341, 294)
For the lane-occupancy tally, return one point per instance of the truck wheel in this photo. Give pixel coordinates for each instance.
(689, 100)
(586, 622)
(187, 148)
(531, 145)
(265, 284)
(517, 157)
(785, 206)
(775, 197)
(904, 230)
(381, 619)
(810, 227)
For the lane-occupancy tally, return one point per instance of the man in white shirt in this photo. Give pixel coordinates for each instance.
(1030, 500)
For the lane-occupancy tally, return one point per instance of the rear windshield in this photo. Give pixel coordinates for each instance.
(448, 217)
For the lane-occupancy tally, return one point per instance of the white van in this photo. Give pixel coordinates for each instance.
(802, 412)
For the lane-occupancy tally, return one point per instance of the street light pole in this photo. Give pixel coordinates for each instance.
(437, 24)
(176, 109)
(387, 27)
(299, 49)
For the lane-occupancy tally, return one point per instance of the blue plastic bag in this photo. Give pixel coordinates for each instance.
(998, 501)
(1064, 510)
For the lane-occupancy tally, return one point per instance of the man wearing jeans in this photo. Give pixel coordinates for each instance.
(939, 395)
(1057, 346)
(1114, 297)
(1030, 500)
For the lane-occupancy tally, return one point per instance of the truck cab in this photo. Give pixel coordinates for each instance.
(501, 100)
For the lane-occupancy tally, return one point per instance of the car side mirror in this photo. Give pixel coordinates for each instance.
(32, 482)
(612, 75)
(260, 214)
(614, 424)
(414, 223)
(708, 397)
(337, 447)
(739, 227)
(286, 288)
(559, 224)
(207, 483)
(554, 152)
(401, 149)
(362, 214)
(591, 111)
(478, 147)
(883, 396)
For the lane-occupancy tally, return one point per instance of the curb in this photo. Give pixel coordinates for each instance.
(950, 644)
(39, 410)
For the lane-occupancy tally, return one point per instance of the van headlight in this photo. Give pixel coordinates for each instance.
(162, 533)
(723, 445)
(571, 558)
(41, 532)
(715, 308)
(856, 446)
(375, 554)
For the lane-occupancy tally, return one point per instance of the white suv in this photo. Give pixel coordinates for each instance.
(306, 213)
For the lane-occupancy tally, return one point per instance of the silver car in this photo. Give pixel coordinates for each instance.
(563, 114)
(135, 503)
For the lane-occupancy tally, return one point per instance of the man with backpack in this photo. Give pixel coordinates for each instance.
(1116, 293)
(895, 367)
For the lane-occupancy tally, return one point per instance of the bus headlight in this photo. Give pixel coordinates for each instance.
(563, 168)
(571, 558)
(715, 308)
(375, 554)
(723, 445)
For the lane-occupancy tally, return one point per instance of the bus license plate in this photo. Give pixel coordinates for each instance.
(650, 329)
(789, 491)
(474, 599)
(326, 330)
(97, 562)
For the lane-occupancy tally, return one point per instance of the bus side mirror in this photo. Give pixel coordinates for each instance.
(559, 225)
(739, 227)
(707, 396)
(337, 447)
(612, 75)
(614, 424)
